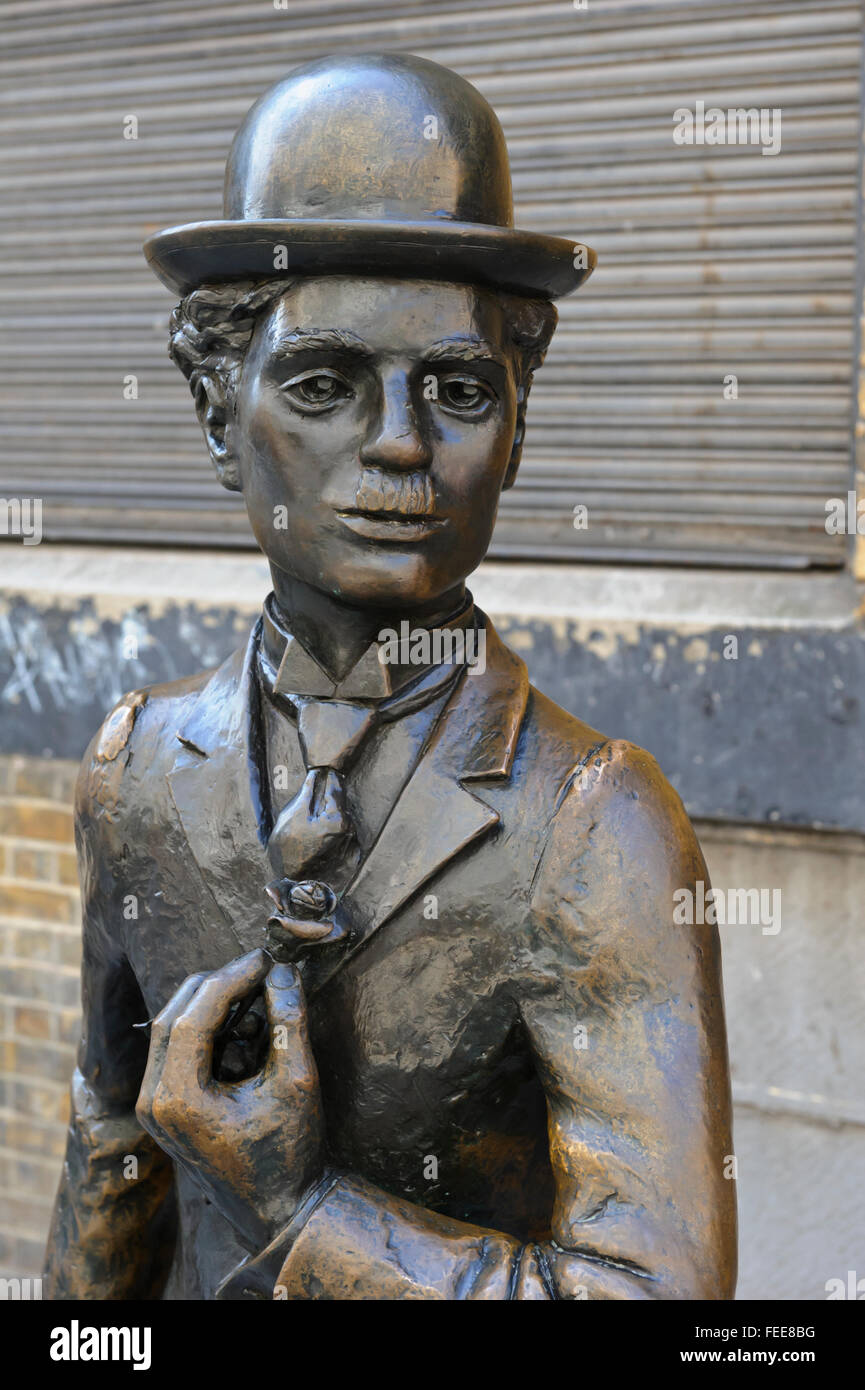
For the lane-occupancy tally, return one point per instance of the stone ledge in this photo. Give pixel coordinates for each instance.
(580, 593)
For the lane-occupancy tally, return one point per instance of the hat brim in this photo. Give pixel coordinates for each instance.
(502, 258)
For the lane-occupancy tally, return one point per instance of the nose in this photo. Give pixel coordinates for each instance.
(395, 440)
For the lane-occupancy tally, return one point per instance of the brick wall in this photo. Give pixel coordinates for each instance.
(40, 950)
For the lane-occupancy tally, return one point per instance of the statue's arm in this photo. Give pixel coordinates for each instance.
(631, 1045)
(112, 1231)
(624, 1012)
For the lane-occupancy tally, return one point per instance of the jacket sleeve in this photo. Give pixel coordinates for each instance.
(113, 1225)
(623, 1010)
(631, 1045)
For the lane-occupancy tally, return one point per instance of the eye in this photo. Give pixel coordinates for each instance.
(316, 391)
(464, 395)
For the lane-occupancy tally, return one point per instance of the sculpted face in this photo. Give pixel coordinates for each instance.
(373, 428)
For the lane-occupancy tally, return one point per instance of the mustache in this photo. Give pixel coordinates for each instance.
(407, 494)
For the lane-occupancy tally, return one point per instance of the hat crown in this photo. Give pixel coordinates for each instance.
(371, 136)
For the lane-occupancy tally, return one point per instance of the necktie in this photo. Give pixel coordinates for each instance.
(309, 843)
(315, 823)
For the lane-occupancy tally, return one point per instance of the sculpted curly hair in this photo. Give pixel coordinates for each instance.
(210, 329)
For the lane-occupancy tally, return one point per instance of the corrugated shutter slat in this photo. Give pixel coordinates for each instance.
(713, 260)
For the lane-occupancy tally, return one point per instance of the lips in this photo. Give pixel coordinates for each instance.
(390, 526)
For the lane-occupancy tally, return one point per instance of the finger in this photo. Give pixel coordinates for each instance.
(178, 1001)
(190, 1051)
(159, 1036)
(291, 1062)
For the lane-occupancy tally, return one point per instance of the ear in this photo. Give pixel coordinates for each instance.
(519, 434)
(211, 407)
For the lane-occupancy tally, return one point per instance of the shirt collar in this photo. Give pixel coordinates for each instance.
(288, 668)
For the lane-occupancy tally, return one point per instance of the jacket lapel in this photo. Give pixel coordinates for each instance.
(214, 785)
(437, 815)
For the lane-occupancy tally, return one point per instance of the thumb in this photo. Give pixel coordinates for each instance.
(291, 1061)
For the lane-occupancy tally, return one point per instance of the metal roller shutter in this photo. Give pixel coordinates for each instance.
(713, 260)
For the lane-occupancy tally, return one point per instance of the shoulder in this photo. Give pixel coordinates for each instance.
(583, 767)
(141, 732)
(618, 789)
(618, 842)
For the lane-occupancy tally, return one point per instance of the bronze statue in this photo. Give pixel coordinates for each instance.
(423, 1024)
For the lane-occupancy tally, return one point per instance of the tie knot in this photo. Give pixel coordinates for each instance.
(331, 730)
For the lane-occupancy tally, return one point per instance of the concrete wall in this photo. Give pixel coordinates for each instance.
(797, 1051)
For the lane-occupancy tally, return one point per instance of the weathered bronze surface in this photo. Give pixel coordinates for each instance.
(424, 1026)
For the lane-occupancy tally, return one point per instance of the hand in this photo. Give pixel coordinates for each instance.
(255, 1146)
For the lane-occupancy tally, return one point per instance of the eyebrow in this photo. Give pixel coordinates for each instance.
(455, 349)
(321, 340)
(471, 349)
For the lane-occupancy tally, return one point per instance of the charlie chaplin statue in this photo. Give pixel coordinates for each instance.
(417, 1020)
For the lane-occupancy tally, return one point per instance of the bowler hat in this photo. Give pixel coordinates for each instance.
(370, 164)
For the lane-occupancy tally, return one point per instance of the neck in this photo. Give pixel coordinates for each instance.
(337, 633)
